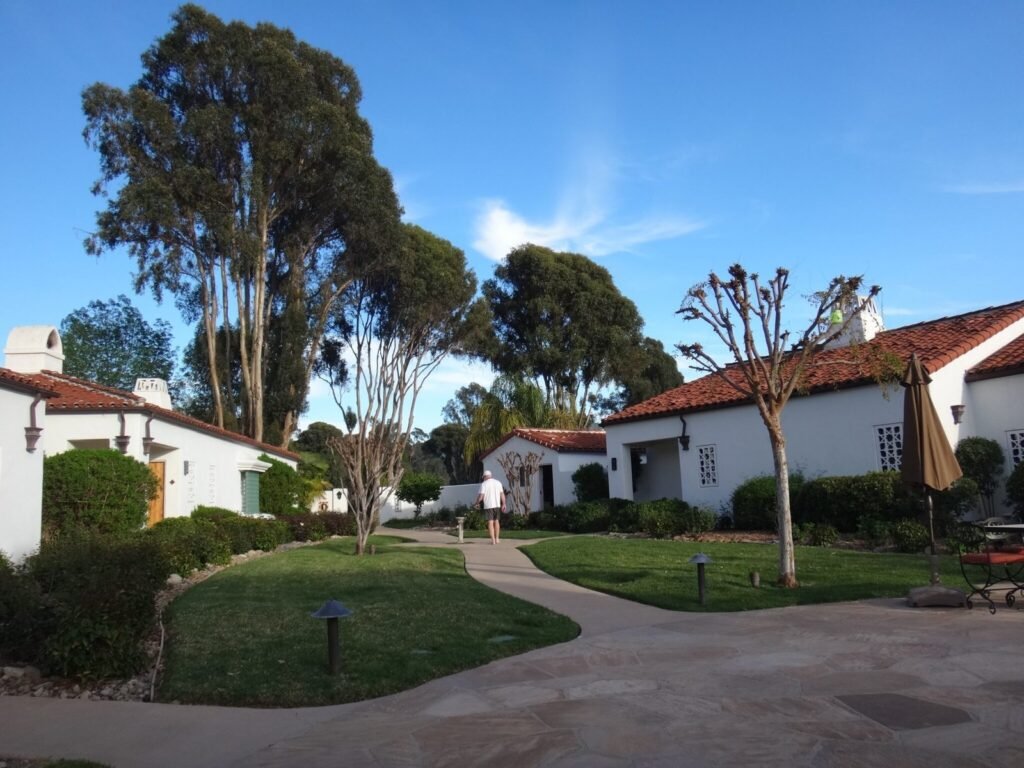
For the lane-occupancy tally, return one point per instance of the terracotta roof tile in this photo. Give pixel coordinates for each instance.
(24, 383)
(78, 395)
(559, 440)
(937, 342)
(1004, 362)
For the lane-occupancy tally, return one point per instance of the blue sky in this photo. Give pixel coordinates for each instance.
(662, 139)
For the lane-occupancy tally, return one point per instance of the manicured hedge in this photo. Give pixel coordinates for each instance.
(244, 533)
(753, 502)
(846, 501)
(95, 490)
(190, 543)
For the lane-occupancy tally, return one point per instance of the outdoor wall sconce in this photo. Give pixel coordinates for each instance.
(148, 439)
(958, 412)
(184, 468)
(684, 439)
(615, 464)
(701, 560)
(332, 610)
(32, 431)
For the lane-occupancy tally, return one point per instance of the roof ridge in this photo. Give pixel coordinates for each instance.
(94, 385)
(995, 308)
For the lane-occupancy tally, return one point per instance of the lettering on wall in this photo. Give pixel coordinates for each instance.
(211, 485)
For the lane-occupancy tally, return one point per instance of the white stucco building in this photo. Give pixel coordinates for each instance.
(195, 463)
(22, 423)
(700, 440)
(561, 453)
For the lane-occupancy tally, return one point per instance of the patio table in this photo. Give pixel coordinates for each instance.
(1002, 566)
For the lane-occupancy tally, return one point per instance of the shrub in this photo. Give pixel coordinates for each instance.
(189, 543)
(19, 601)
(875, 531)
(1015, 488)
(307, 526)
(622, 515)
(282, 491)
(842, 501)
(816, 534)
(244, 533)
(590, 482)
(338, 524)
(753, 502)
(673, 517)
(96, 604)
(910, 536)
(419, 487)
(585, 517)
(214, 514)
(475, 520)
(96, 490)
(981, 459)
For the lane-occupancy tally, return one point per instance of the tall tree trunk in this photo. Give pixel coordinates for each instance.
(787, 559)
(208, 297)
(229, 395)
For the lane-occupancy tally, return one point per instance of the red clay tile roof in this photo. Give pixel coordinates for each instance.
(78, 395)
(23, 383)
(558, 440)
(1005, 362)
(937, 343)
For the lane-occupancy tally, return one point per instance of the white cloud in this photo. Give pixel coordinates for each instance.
(987, 188)
(583, 220)
(500, 229)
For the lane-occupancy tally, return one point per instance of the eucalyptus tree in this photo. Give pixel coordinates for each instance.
(650, 372)
(397, 324)
(560, 320)
(241, 178)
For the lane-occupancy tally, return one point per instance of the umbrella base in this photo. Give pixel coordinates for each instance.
(936, 597)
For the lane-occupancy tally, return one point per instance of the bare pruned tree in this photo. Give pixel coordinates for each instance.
(394, 327)
(767, 367)
(520, 470)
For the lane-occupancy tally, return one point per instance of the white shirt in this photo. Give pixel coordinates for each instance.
(492, 491)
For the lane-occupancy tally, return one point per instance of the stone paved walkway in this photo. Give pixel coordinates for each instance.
(871, 683)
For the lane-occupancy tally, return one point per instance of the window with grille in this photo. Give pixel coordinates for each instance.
(890, 445)
(1016, 440)
(707, 465)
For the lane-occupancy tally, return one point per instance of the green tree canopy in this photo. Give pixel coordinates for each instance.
(110, 342)
(652, 372)
(560, 320)
(396, 326)
(243, 182)
(448, 443)
(418, 488)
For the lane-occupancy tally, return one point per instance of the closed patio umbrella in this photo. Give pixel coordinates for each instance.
(928, 461)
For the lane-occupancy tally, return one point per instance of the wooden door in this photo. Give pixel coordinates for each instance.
(156, 505)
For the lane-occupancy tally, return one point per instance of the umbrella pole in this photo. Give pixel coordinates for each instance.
(933, 557)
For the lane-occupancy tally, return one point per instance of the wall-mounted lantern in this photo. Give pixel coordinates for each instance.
(684, 439)
(615, 464)
(958, 412)
(185, 467)
(332, 610)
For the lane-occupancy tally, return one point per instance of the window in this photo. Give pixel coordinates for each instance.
(707, 466)
(1016, 440)
(890, 446)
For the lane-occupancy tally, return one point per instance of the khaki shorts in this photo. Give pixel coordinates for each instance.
(492, 513)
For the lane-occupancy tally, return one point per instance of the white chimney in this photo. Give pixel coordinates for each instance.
(34, 348)
(863, 327)
(154, 391)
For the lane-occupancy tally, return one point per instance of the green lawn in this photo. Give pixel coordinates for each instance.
(657, 572)
(244, 637)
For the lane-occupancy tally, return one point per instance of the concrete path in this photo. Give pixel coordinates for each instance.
(854, 684)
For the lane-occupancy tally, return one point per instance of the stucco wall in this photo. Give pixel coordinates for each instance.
(562, 467)
(21, 476)
(212, 477)
(827, 433)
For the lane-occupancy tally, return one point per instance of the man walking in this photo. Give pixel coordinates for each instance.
(492, 494)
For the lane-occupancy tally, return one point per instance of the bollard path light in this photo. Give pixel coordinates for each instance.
(332, 610)
(701, 560)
